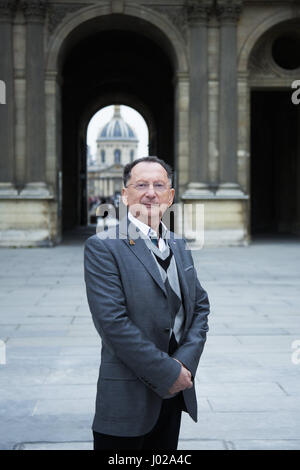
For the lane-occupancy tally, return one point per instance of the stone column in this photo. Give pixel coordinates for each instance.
(7, 161)
(198, 12)
(35, 12)
(228, 12)
(181, 167)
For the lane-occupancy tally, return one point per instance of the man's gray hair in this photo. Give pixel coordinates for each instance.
(150, 159)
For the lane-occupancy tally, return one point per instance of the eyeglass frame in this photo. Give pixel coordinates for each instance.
(165, 187)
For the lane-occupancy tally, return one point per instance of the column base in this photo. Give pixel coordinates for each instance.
(37, 190)
(7, 189)
(28, 222)
(215, 221)
(231, 190)
(196, 191)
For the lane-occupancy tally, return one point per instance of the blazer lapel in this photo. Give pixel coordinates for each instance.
(180, 270)
(140, 250)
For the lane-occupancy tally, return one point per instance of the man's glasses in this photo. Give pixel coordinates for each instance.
(143, 187)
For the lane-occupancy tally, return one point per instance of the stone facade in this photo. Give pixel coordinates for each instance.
(219, 52)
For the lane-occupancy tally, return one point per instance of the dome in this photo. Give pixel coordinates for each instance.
(117, 129)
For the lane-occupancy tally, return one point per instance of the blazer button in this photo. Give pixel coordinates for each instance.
(167, 330)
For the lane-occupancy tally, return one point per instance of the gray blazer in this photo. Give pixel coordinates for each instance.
(128, 302)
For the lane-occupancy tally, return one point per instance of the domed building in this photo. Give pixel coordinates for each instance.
(116, 142)
(117, 145)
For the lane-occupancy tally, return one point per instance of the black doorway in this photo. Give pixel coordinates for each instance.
(275, 163)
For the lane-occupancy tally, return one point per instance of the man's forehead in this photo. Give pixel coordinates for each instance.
(143, 169)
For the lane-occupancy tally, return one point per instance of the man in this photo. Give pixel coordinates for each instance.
(151, 313)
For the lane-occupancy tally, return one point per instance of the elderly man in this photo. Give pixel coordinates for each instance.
(151, 313)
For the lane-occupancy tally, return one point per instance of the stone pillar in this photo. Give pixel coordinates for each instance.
(181, 167)
(198, 12)
(35, 12)
(228, 12)
(7, 161)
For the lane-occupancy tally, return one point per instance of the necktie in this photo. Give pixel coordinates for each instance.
(154, 241)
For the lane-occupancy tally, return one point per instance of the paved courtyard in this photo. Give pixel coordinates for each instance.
(248, 383)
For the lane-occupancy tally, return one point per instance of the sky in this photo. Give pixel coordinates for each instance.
(132, 117)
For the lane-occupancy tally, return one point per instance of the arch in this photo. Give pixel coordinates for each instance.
(109, 99)
(257, 33)
(173, 41)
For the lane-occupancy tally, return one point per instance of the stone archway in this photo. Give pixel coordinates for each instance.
(168, 74)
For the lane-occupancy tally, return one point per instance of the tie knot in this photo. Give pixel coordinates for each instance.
(154, 241)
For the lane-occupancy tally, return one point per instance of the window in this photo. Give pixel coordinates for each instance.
(285, 51)
(131, 155)
(102, 156)
(117, 156)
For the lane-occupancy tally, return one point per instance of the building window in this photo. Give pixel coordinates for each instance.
(285, 51)
(102, 156)
(117, 156)
(131, 155)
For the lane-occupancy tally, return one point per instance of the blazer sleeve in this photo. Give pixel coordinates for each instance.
(107, 304)
(189, 352)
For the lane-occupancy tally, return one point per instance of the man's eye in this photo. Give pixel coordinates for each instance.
(141, 185)
(159, 185)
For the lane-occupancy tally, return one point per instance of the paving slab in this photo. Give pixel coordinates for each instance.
(247, 383)
(265, 444)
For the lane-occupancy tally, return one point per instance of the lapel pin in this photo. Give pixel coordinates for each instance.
(131, 242)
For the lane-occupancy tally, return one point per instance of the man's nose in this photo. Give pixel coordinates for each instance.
(150, 191)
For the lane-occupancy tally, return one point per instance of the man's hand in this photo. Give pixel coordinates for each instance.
(184, 380)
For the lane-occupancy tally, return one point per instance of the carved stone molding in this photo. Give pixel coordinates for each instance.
(176, 14)
(199, 11)
(34, 10)
(228, 11)
(7, 10)
(58, 11)
(259, 61)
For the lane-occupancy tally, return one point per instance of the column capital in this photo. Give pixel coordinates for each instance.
(34, 10)
(7, 10)
(199, 11)
(228, 11)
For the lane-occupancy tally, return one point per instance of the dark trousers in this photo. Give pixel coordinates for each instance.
(163, 436)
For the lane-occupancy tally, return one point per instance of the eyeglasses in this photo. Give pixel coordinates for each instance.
(143, 187)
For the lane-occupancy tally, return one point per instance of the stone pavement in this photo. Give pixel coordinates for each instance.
(248, 382)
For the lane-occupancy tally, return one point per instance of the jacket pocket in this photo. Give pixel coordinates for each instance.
(116, 371)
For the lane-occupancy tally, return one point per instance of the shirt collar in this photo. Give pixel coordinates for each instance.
(145, 229)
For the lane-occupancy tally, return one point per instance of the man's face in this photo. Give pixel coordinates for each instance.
(148, 193)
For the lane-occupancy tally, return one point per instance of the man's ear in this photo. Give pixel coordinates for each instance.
(171, 197)
(124, 196)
